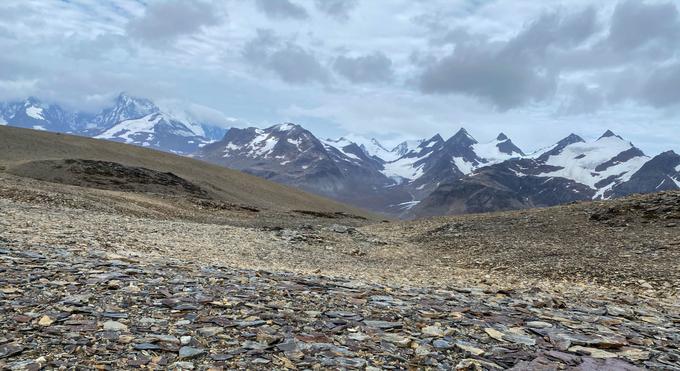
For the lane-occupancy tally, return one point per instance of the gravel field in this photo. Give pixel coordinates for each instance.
(116, 280)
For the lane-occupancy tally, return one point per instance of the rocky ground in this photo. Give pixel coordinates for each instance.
(108, 280)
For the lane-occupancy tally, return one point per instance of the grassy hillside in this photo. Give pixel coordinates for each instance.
(23, 152)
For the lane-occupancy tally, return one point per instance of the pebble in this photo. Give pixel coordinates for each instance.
(187, 352)
(432, 331)
(45, 321)
(114, 326)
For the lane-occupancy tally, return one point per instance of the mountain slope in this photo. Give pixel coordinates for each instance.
(19, 147)
(571, 170)
(291, 155)
(158, 131)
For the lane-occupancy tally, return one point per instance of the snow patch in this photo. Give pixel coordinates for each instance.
(231, 147)
(462, 165)
(285, 127)
(403, 168)
(39, 127)
(408, 205)
(490, 152)
(339, 145)
(676, 181)
(295, 142)
(127, 128)
(35, 112)
(263, 145)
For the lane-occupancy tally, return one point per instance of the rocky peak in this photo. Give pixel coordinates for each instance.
(130, 104)
(462, 138)
(32, 101)
(570, 139)
(609, 134)
(286, 127)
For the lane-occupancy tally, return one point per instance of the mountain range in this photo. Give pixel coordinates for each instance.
(416, 178)
(129, 120)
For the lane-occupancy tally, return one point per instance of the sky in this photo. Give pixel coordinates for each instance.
(390, 69)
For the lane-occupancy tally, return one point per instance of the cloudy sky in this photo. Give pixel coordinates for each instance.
(393, 69)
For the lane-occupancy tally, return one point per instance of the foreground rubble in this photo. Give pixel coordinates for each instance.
(93, 279)
(68, 307)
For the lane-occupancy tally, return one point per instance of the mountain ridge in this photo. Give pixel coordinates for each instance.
(412, 179)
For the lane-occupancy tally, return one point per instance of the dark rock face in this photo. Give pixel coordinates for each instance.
(498, 188)
(559, 147)
(659, 174)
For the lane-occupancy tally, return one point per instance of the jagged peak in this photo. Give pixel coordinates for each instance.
(609, 134)
(669, 153)
(571, 139)
(502, 137)
(463, 131)
(287, 126)
(125, 99)
(435, 138)
(378, 144)
(32, 101)
(462, 137)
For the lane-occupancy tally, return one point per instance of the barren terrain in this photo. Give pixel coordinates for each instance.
(586, 285)
(165, 270)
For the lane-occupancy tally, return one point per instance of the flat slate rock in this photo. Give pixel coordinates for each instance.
(187, 316)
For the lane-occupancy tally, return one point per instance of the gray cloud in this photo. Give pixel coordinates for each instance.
(505, 82)
(582, 100)
(555, 30)
(376, 67)
(635, 24)
(511, 73)
(338, 9)
(100, 47)
(637, 60)
(661, 87)
(165, 21)
(289, 61)
(281, 9)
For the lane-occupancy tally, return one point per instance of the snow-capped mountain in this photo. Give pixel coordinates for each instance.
(600, 165)
(156, 130)
(421, 169)
(570, 170)
(289, 154)
(414, 178)
(34, 114)
(124, 108)
(362, 172)
(436, 176)
(140, 122)
(129, 119)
